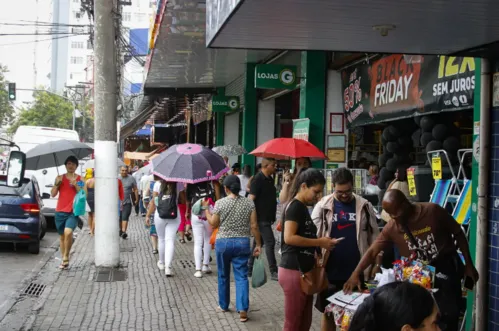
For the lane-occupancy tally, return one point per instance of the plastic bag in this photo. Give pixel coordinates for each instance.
(259, 276)
(80, 203)
(386, 277)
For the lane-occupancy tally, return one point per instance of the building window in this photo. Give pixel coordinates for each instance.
(127, 17)
(89, 44)
(140, 17)
(76, 1)
(76, 60)
(77, 14)
(77, 44)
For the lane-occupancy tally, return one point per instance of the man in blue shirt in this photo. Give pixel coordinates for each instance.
(346, 215)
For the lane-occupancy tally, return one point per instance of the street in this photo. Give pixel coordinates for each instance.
(19, 267)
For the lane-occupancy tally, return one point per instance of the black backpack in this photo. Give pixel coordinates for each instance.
(167, 206)
(202, 191)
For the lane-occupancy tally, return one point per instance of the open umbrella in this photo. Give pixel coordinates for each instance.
(229, 150)
(54, 153)
(189, 163)
(288, 148)
(90, 164)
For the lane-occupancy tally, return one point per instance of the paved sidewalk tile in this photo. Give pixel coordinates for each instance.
(148, 300)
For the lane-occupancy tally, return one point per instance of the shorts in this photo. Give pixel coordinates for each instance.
(65, 221)
(126, 212)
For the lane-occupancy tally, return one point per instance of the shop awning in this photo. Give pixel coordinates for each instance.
(391, 26)
(144, 131)
(143, 156)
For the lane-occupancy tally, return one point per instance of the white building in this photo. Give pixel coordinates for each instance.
(72, 58)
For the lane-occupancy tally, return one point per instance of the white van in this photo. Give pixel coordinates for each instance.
(27, 137)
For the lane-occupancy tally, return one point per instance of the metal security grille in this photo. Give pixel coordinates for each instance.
(34, 290)
(110, 275)
(236, 88)
(186, 264)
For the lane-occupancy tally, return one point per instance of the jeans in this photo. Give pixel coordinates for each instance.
(297, 305)
(202, 232)
(236, 251)
(142, 208)
(268, 242)
(167, 231)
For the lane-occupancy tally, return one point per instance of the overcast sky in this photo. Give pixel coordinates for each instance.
(17, 52)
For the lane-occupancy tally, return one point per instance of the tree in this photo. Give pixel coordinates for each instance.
(6, 108)
(47, 110)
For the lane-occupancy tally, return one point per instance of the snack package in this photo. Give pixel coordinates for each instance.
(345, 321)
(414, 271)
(338, 313)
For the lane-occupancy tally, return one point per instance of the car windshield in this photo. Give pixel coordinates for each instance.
(23, 191)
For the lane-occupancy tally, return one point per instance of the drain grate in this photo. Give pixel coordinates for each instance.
(186, 264)
(34, 290)
(126, 249)
(110, 275)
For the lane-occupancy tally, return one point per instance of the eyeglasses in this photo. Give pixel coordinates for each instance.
(344, 193)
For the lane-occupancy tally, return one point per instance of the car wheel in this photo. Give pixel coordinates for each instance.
(43, 229)
(34, 248)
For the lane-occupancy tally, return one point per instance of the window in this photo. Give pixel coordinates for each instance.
(127, 17)
(77, 44)
(76, 1)
(140, 17)
(76, 14)
(89, 44)
(76, 60)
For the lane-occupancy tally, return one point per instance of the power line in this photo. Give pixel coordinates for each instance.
(37, 41)
(46, 34)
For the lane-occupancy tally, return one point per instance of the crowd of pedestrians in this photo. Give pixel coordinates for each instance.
(340, 229)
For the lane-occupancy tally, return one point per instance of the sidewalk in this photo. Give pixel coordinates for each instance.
(146, 299)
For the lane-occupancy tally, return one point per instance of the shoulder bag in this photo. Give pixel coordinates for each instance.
(313, 281)
(213, 237)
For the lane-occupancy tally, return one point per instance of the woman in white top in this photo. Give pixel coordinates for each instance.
(166, 227)
(244, 178)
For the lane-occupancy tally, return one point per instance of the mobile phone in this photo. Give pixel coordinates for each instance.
(340, 239)
(469, 283)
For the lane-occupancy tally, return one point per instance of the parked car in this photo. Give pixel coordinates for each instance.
(20, 217)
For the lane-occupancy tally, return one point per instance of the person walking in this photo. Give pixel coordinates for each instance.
(130, 187)
(299, 247)
(346, 215)
(150, 216)
(184, 230)
(90, 193)
(66, 186)
(235, 218)
(244, 178)
(263, 193)
(166, 220)
(430, 233)
(200, 227)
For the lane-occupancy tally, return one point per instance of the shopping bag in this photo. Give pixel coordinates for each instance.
(80, 203)
(259, 276)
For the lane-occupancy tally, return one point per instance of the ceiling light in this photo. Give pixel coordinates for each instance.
(383, 29)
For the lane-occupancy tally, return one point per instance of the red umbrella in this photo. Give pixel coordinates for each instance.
(288, 148)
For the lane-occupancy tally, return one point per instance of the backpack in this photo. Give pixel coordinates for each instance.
(202, 191)
(167, 206)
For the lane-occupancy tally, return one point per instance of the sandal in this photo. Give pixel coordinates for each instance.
(155, 251)
(188, 235)
(243, 316)
(220, 310)
(182, 241)
(64, 265)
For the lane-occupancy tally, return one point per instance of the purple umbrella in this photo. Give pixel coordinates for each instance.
(189, 163)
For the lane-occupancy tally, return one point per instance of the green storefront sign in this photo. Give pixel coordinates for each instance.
(273, 76)
(301, 129)
(223, 103)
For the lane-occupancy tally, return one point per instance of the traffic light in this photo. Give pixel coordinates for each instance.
(12, 91)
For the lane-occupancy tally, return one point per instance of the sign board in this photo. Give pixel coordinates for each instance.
(411, 182)
(336, 155)
(274, 76)
(301, 128)
(390, 88)
(223, 103)
(436, 167)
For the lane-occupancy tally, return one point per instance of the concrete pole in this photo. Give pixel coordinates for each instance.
(107, 246)
(483, 185)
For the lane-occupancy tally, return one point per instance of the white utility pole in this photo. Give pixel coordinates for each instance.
(107, 245)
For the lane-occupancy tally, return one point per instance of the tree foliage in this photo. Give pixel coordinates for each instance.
(6, 108)
(47, 110)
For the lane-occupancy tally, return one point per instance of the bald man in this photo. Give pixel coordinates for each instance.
(429, 231)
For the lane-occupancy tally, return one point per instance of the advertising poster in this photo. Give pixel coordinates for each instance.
(390, 88)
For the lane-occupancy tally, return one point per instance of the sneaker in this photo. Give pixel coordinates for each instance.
(160, 265)
(198, 274)
(274, 276)
(121, 233)
(206, 269)
(168, 272)
(124, 235)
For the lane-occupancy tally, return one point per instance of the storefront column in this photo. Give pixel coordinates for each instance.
(313, 96)
(249, 116)
(220, 122)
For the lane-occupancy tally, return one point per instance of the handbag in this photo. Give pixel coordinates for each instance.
(315, 280)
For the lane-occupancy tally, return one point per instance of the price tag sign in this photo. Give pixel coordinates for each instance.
(411, 182)
(436, 167)
(358, 181)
